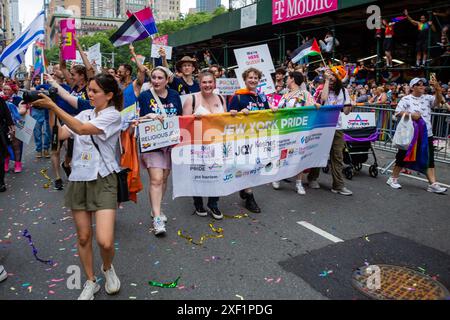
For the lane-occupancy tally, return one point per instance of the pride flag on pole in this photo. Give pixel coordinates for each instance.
(39, 63)
(145, 16)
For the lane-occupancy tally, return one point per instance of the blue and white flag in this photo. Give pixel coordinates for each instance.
(14, 54)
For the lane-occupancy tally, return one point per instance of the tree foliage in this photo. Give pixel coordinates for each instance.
(122, 54)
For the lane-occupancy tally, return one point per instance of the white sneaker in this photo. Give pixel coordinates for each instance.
(314, 184)
(112, 282)
(433, 188)
(344, 191)
(90, 288)
(162, 216)
(159, 226)
(276, 185)
(3, 274)
(299, 188)
(393, 183)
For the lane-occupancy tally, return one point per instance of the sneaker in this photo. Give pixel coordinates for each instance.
(38, 154)
(2, 188)
(313, 184)
(251, 205)
(90, 288)
(161, 215)
(112, 282)
(58, 184)
(18, 167)
(67, 170)
(436, 188)
(200, 211)
(276, 185)
(46, 154)
(3, 274)
(344, 191)
(216, 213)
(159, 226)
(393, 183)
(299, 188)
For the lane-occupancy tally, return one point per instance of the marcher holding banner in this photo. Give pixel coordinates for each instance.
(203, 103)
(334, 93)
(295, 98)
(155, 104)
(246, 100)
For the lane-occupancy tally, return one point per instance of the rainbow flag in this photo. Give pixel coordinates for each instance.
(145, 17)
(417, 155)
(39, 65)
(398, 19)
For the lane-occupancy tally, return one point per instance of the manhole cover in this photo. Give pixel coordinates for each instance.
(387, 282)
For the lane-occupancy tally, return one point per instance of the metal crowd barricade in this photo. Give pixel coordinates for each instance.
(387, 122)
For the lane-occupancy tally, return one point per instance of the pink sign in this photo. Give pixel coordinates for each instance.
(163, 40)
(287, 10)
(69, 49)
(274, 99)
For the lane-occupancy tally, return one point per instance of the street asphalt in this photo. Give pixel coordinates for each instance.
(244, 264)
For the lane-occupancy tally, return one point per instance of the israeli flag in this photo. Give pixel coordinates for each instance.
(14, 54)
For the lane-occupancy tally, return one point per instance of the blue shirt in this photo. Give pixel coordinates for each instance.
(15, 99)
(249, 101)
(60, 102)
(129, 98)
(79, 93)
(83, 104)
(180, 86)
(171, 104)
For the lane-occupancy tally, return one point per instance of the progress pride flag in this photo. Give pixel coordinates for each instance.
(287, 10)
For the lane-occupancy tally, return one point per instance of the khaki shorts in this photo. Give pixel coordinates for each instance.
(93, 195)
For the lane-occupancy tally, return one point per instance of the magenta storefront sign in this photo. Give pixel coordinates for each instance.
(287, 10)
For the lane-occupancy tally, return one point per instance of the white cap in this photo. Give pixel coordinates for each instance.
(417, 80)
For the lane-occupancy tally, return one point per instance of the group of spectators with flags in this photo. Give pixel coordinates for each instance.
(84, 120)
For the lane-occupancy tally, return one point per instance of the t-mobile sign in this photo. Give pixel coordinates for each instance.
(287, 10)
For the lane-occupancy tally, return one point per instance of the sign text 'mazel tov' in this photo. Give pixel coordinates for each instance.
(287, 10)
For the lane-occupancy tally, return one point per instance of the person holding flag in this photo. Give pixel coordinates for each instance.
(423, 27)
(333, 93)
(14, 54)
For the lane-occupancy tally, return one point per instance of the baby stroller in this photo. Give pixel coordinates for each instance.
(358, 146)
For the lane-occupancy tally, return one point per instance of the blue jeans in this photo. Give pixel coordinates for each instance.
(42, 124)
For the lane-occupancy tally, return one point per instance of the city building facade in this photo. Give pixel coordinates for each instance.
(165, 9)
(207, 5)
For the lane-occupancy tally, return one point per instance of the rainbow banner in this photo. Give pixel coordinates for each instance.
(220, 154)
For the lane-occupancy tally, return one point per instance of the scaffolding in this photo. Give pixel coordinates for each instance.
(280, 38)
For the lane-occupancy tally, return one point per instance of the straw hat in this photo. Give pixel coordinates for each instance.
(184, 60)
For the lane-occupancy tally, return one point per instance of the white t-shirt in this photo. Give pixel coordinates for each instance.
(87, 163)
(422, 105)
(334, 100)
